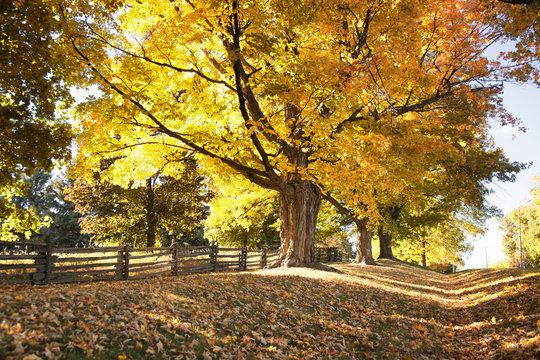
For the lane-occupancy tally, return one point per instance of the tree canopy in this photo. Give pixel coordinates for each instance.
(352, 97)
(34, 94)
(528, 218)
(32, 88)
(55, 216)
(141, 214)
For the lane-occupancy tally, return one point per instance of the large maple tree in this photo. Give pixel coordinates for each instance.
(298, 97)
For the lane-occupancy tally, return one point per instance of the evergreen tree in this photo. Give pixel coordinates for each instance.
(46, 199)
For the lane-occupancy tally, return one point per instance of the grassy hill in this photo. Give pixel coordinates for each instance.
(391, 311)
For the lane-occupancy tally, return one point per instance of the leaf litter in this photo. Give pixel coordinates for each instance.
(389, 311)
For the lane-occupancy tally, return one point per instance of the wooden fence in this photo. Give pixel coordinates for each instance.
(329, 254)
(41, 263)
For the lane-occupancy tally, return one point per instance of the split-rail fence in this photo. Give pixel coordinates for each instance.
(43, 263)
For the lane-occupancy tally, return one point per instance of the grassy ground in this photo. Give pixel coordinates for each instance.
(392, 311)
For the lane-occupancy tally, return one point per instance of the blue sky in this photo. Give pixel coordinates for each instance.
(523, 101)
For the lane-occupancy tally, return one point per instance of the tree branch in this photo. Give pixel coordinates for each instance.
(239, 73)
(257, 176)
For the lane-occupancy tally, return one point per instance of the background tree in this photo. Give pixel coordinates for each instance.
(334, 229)
(143, 213)
(242, 214)
(34, 83)
(438, 240)
(530, 232)
(58, 221)
(451, 168)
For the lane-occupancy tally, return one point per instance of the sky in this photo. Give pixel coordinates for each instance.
(522, 101)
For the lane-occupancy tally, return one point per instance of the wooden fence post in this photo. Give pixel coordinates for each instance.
(213, 257)
(39, 277)
(48, 263)
(126, 262)
(120, 266)
(175, 258)
(264, 258)
(242, 260)
(328, 254)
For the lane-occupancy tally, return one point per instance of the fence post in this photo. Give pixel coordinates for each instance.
(41, 261)
(175, 258)
(126, 262)
(264, 258)
(120, 266)
(242, 260)
(48, 263)
(213, 257)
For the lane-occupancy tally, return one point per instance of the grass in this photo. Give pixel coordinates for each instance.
(391, 311)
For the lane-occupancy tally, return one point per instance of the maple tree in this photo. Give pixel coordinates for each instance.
(34, 132)
(462, 186)
(142, 213)
(296, 97)
(242, 214)
(435, 237)
(515, 22)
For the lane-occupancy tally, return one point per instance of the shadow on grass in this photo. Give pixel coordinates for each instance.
(389, 311)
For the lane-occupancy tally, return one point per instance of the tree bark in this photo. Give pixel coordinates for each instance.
(150, 215)
(385, 244)
(385, 239)
(298, 219)
(424, 257)
(364, 254)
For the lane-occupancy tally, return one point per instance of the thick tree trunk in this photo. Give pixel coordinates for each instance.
(150, 215)
(298, 219)
(364, 254)
(385, 244)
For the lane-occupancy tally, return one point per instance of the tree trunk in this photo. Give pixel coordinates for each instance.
(298, 219)
(364, 254)
(150, 215)
(385, 239)
(385, 244)
(424, 257)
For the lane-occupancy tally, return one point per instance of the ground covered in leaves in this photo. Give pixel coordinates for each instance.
(392, 311)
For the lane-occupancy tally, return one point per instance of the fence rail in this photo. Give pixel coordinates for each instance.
(41, 263)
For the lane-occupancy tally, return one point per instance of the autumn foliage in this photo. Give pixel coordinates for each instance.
(389, 311)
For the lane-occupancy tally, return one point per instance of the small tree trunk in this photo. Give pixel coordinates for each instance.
(424, 257)
(385, 244)
(150, 215)
(364, 253)
(298, 219)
